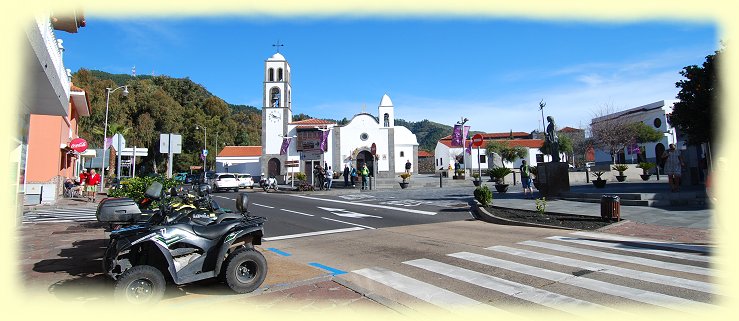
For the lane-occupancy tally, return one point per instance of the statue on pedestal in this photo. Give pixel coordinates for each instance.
(551, 137)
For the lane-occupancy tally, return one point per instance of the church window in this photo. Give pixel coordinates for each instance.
(274, 97)
(271, 74)
(364, 136)
(387, 120)
(482, 159)
(657, 123)
(402, 154)
(279, 74)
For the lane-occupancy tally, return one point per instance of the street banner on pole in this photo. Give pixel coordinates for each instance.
(285, 145)
(324, 140)
(467, 137)
(457, 136)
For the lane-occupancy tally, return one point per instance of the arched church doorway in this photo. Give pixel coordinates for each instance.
(365, 157)
(273, 167)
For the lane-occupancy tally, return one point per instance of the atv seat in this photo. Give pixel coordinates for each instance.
(214, 231)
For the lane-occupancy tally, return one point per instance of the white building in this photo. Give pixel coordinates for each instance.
(367, 138)
(445, 155)
(654, 114)
(239, 159)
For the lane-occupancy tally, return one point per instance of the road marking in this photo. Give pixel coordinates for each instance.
(442, 298)
(622, 258)
(278, 251)
(230, 199)
(609, 269)
(296, 212)
(328, 268)
(678, 246)
(369, 205)
(345, 213)
(631, 247)
(639, 295)
(518, 290)
(330, 219)
(356, 197)
(293, 236)
(256, 204)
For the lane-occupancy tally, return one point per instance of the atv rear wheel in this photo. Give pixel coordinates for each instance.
(245, 270)
(141, 284)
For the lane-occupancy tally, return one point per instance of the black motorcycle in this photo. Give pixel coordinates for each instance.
(170, 242)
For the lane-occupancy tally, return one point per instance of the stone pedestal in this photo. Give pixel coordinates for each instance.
(553, 178)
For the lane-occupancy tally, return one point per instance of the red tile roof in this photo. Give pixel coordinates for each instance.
(423, 153)
(530, 143)
(75, 88)
(312, 121)
(240, 151)
(571, 130)
(488, 136)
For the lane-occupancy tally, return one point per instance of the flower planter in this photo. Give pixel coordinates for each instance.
(403, 185)
(599, 183)
(501, 188)
(458, 177)
(645, 177)
(620, 178)
(477, 182)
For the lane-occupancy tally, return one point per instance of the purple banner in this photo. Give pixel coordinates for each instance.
(468, 141)
(285, 145)
(324, 140)
(457, 136)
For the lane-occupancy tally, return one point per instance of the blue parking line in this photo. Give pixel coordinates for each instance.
(327, 268)
(278, 251)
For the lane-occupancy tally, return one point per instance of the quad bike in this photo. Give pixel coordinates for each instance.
(170, 244)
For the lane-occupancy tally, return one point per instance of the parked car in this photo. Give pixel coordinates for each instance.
(225, 181)
(245, 180)
(180, 177)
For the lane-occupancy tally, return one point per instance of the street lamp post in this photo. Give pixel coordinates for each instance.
(105, 132)
(464, 141)
(292, 173)
(205, 146)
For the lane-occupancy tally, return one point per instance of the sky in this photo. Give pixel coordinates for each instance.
(492, 70)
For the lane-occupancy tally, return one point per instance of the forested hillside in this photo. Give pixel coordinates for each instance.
(160, 104)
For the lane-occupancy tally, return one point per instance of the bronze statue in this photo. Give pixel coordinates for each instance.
(551, 137)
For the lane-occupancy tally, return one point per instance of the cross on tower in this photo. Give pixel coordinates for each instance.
(278, 45)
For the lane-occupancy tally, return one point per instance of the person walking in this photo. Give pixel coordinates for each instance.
(526, 180)
(93, 179)
(365, 173)
(329, 178)
(346, 175)
(673, 167)
(408, 166)
(320, 175)
(353, 175)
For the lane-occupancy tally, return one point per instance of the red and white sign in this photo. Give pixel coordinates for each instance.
(477, 140)
(78, 145)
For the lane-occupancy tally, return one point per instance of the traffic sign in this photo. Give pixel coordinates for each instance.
(205, 152)
(477, 140)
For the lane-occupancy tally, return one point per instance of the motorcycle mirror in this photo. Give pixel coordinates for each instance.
(242, 202)
(203, 190)
(154, 191)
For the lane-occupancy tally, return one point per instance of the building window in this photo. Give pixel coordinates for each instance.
(279, 74)
(271, 74)
(364, 136)
(657, 123)
(483, 159)
(387, 120)
(402, 154)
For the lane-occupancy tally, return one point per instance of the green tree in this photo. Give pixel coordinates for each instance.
(505, 151)
(697, 111)
(644, 133)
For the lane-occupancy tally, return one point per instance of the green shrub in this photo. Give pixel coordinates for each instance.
(484, 195)
(541, 205)
(646, 167)
(135, 187)
(620, 168)
(499, 173)
(300, 176)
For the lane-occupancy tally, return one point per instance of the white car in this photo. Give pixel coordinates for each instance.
(225, 182)
(245, 180)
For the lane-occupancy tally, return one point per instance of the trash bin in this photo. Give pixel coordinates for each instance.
(610, 207)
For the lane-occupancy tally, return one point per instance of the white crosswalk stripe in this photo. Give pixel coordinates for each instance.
(82, 214)
(629, 247)
(502, 270)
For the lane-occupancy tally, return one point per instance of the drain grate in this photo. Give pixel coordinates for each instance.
(582, 272)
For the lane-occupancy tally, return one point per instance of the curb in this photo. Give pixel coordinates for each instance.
(486, 216)
(386, 302)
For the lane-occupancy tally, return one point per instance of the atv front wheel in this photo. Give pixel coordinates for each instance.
(245, 270)
(141, 284)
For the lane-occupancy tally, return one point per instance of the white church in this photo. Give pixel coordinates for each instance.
(367, 139)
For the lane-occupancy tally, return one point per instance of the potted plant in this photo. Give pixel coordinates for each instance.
(620, 168)
(458, 174)
(600, 182)
(405, 177)
(499, 174)
(646, 167)
(476, 179)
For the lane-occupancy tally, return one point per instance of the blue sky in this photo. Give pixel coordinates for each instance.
(493, 71)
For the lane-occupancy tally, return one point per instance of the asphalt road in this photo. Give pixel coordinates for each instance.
(294, 216)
